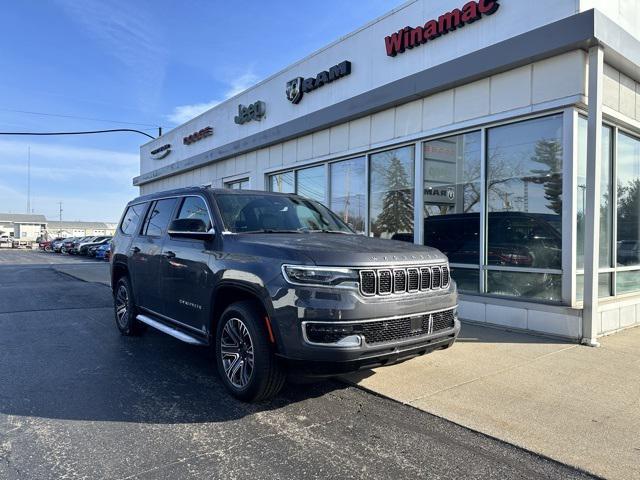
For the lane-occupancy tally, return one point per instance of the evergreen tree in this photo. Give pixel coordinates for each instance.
(549, 153)
(397, 204)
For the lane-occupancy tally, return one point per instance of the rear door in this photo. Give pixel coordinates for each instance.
(146, 255)
(187, 280)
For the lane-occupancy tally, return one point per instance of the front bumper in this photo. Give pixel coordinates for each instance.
(294, 309)
(384, 356)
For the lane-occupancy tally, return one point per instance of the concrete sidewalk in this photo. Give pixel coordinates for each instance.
(578, 405)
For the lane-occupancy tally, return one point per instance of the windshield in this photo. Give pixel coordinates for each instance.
(255, 213)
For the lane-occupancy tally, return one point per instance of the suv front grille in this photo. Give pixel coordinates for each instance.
(380, 331)
(385, 281)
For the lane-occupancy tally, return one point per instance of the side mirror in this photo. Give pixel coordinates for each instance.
(190, 228)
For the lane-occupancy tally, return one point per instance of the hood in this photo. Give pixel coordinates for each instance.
(332, 249)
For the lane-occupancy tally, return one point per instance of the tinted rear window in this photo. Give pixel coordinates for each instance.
(131, 218)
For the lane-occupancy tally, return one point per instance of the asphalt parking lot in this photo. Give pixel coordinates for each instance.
(77, 400)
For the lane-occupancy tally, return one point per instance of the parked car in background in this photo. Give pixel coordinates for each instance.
(91, 251)
(56, 245)
(47, 245)
(67, 244)
(83, 247)
(102, 250)
(6, 241)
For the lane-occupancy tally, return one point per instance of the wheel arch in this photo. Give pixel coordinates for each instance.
(229, 292)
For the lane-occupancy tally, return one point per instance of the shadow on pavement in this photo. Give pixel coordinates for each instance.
(473, 333)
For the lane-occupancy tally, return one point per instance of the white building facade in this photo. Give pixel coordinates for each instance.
(491, 129)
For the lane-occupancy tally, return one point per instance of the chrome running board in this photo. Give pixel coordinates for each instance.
(185, 337)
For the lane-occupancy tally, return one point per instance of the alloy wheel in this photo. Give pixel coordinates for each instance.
(122, 306)
(236, 350)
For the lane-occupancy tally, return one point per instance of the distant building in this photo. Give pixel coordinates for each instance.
(22, 226)
(79, 229)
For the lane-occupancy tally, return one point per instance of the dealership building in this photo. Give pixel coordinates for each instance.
(504, 132)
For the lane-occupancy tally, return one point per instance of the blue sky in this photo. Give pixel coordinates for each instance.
(145, 62)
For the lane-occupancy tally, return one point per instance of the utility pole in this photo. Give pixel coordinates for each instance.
(60, 224)
(29, 179)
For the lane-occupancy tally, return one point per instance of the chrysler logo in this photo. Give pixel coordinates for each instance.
(161, 152)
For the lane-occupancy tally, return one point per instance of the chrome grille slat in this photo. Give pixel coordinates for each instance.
(403, 280)
(399, 280)
(413, 280)
(385, 282)
(436, 277)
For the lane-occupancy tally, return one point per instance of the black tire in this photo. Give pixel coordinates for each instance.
(126, 319)
(264, 377)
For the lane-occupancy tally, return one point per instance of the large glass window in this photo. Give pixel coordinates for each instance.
(283, 182)
(524, 205)
(628, 208)
(348, 192)
(606, 204)
(238, 184)
(452, 199)
(311, 183)
(391, 194)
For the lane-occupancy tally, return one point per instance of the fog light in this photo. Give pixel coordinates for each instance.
(350, 341)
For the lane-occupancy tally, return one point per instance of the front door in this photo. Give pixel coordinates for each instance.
(187, 279)
(146, 255)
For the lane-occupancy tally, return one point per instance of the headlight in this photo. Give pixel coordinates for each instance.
(320, 276)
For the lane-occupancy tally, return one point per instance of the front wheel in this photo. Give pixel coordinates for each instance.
(245, 360)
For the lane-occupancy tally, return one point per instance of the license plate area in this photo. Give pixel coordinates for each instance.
(416, 324)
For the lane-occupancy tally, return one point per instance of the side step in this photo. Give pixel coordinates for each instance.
(185, 337)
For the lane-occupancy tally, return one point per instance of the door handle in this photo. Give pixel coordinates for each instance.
(169, 254)
(135, 250)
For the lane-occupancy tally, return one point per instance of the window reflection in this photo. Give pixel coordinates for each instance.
(606, 206)
(524, 193)
(283, 182)
(392, 180)
(311, 183)
(628, 189)
(452, 197)
(348, 188)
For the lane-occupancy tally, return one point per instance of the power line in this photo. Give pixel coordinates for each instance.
(87, 132)
(59, 115)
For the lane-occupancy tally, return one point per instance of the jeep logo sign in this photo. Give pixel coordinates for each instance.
(161, 152)
(255, 111)
(298, 86)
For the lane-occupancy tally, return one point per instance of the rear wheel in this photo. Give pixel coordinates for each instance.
(47, 249)
(125, 309)
(246, 362)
